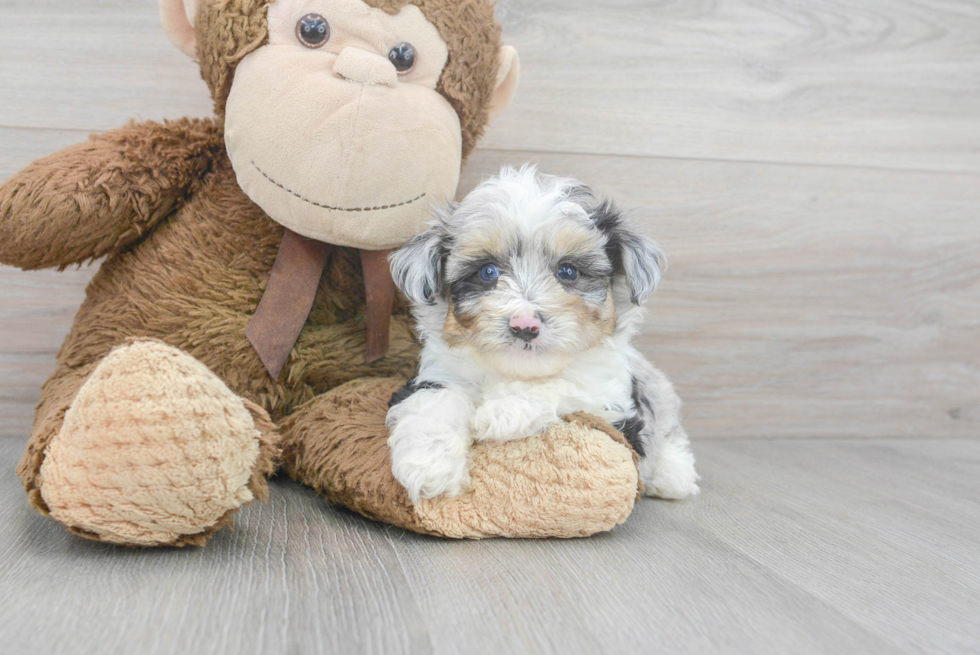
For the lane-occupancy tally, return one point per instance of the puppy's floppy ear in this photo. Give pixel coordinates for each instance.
(637, 258)
(417, 267)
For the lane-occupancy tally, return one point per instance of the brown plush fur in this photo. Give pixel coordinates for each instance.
(572, 480)
(594, 423)
(473, 35)
(338, 444)
(188, 256)
(575, 480)
(193, 282)
(101, 196)
(227, 30)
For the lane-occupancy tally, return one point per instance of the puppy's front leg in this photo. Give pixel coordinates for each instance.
(519, 409)
(429, 441)
(512, 417)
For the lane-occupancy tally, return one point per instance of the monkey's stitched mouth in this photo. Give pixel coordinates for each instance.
(339, 209)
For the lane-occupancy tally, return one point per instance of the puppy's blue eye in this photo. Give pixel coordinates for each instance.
(567, 272)
(489, 272)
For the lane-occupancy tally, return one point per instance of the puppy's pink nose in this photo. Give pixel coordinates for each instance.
(525, 326)
(525, 322)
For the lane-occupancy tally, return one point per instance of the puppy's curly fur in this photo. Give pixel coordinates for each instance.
(527, 297)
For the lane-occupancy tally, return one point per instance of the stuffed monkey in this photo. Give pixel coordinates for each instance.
(244, 319)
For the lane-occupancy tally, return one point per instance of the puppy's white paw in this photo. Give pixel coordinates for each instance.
(429, 465)
(670, 473)
(506, 419)
(429, 442)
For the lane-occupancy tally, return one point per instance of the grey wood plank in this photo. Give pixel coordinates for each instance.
(296, 576)
(38, 307)
(21, 378)
(800, 301)
(802, 547)
(651, 586)
(841, 522)
(19, 147)
(887, 83)
(92, 66)
(804, 301)
(36, 312)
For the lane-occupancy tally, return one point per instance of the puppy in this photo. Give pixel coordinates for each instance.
(527, 295)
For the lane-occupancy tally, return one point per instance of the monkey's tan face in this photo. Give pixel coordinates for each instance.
(335, 128)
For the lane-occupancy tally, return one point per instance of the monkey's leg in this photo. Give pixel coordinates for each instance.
(337, 443)
(146, 448)
(578, 478)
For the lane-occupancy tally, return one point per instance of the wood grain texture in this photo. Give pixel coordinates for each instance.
(886, 83)
(805, 301)
(800, 301)
(92, 66)
(21, 377)
(794, 547)
(19, 147)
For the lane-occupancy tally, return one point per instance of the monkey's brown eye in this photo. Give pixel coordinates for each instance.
(313, 30)
(403, 57)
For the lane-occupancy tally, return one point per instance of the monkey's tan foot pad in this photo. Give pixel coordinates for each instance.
(574, 480)
(577, 479)
(155, 450)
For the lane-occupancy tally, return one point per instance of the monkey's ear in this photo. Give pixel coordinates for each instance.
(417, 267)
(178, 18)
(508, 75)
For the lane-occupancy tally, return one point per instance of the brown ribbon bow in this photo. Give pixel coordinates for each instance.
(290, 293)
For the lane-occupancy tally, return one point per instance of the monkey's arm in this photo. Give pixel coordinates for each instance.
(100, 196)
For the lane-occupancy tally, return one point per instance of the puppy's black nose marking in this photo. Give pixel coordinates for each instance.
(526, 334)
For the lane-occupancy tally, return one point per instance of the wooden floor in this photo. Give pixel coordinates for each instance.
(813, 170)
(852, 546)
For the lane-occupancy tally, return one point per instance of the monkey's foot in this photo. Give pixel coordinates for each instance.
(155, 450)
(577, 479)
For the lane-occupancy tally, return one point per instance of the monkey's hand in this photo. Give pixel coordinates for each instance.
(99, 197)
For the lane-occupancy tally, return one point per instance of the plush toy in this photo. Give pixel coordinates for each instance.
(244, 319)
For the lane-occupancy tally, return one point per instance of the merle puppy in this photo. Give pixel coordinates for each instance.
(528, 294)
